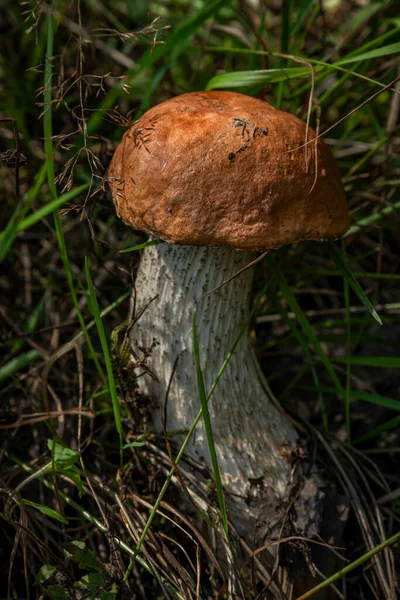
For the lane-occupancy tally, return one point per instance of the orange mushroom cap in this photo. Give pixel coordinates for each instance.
(216, 168)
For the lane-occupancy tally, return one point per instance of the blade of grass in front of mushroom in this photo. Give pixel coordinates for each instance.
(300, 339)
(220, 373)
(106, 354)
(142, 246)
(209, 431)
(48, 146)
(341, 264)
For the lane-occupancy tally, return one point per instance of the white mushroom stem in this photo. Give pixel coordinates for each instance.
(253, 438)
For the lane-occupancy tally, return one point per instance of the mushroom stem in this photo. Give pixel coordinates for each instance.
(253, 438)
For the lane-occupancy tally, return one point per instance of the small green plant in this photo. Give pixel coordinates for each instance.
(98, 582)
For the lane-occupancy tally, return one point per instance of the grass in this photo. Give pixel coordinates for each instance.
(325, 317)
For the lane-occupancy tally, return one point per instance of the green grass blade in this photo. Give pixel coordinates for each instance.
(301, 17)
(106, 353)
(286, 19)
(377, 399)
(377, 431)
(384, 51)
(208, 428)
(68, 273)
(341, 264)
(302, 342)
(319, 65)
(50, 207)
(45, 510)
(384, 362)
(141, 246)
(371, 219)
(348, 356)
(351, 567)
(18, 363)
(306, 327)
(7, 236)
(240, 79)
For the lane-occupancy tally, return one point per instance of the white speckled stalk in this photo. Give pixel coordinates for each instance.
(252, 437)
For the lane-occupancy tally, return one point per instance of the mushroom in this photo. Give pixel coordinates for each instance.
(219, 176)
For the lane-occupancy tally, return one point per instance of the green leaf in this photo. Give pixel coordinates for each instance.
(91, 581)
(56, 592)
(386, 362)
(45, 510)
(70, 547)
(239, 79)
(63, 457)
(133, 445)
(113, 595)
(82, 556)
(342, 266)
(45, 573)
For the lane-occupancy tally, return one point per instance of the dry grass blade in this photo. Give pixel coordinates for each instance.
(361, 508)
(251, 264)
(53, 414)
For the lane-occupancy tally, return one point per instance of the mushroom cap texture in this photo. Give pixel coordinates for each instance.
(216, 168)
